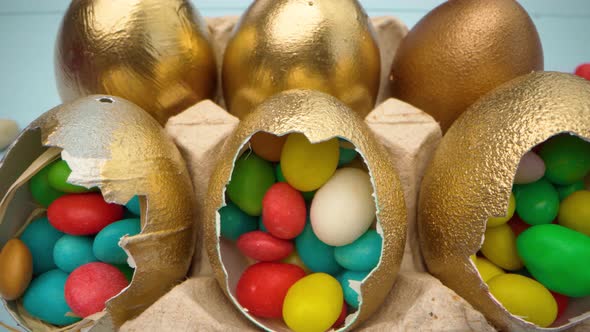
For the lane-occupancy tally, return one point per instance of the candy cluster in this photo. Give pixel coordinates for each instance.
(76, 263)
(304, 216)
(536, 258)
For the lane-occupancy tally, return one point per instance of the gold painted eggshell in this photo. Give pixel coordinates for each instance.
(471, 174)
(16, 269)
(154, 53)
(461, 50)
(319, 117)
(324, 45)
(127, 157)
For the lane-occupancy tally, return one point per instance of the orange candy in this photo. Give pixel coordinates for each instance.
(268, 146)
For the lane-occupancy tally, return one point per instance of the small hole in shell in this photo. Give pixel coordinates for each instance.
(106, 100)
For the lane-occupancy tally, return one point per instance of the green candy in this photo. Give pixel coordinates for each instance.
(567, 159)
(347, 153)
(557, 257)
(565, 191)
(234, 222)
(41, 191)
(250, 179)
(58, 177)
(537, 202)
(307, 195)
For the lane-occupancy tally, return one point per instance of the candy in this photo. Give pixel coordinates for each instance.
(16, 269)
(40, 237)
(263, 286)
(294, 259)
(250, 179)
(83, 214)
(262, 246)
(58, 177)
(307, 195)
(565, 191)
(524, 297)
(562, 303)
(234, 222)
(342, 318)
(574, 212)
(268, 146)
(343, 209)
(487, 269)
(126, 270)
(71, 252)
(283, 211)
(558, 258)
(497, 221)
(40, 189)
(567, 159)
(90, 286)
(518, 226)
(351, 285)
(45, 298)
(361, 255)
(499, 246)
(347, 152)
(530, 169)
(133, 206)
(308, 166)
(537, 203)
(583, 70)
(106, 244)
(313, 304)
(315, 254)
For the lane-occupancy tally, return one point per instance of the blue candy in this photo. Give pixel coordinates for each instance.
(350, 295)
(361, 255)
(106, 244)
(347, 153)
(71, 252)
(315, 254)
(40, 237)
(235, 222)
(133, 206)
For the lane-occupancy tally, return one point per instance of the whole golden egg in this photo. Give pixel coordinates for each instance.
(325, 45)
(471, 175)
(461, 50)
(154, 53)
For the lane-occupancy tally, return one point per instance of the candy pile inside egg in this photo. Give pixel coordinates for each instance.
(303, 214)
(76, 263)
(535, 259)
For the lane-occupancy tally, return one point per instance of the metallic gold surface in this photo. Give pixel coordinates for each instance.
(461, 50)
(471, 174)
(154, 53)
(320, 117)
(128, 157)
(325, 45)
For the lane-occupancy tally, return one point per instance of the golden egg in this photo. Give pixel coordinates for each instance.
(461, 50)
(325, 45)
(319, 117)
(124, 158)
(154, 53)
(471, 174)
(16, 269)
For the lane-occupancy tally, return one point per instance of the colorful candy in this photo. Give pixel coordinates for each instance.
(562, 303)
(583, 70)
(294, 259)
(71, 252)
(574, 212)
(40, 189)
(234, 222)
(347, 152)
(58, 175)
(499, 246)
(537, 203)
(264, 247)
(317, 256)
(88, 287)
(361, 255)
(83, 214)
(344, 208)
(106, 244)
(567, 159)
(250, 179)
(565, 191)
(351, 286)
(530, 169)
(16, 269)
(313, 304)
(40, 237)
(268, 146)
(133, 206)
(283, 211)
(487, 269)
(307, 195)
(497, 221)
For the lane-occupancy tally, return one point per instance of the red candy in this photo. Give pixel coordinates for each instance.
(264, 247)
(83, 214)
(518, 226)
(283, 211)
(340, 321)
(583, 70)
(562, 303)
(91, 285)
(263, 287)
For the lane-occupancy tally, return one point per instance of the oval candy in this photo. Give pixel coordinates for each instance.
(530, 169)
(268, 146)
(497, 221)
(42, 192)
(71, 252)
(58, 175)
(283, 211)
(40, 237)
(106, 244)
(16, 269)
(499, 246)
(361, 255)
(264, 247)
(235, 222)
(574, 212)
(351, 285)
(567, 158)
(537, 203)
(487, 269)
(250, 179)
(565, 191)
(315, 254)
(133, 206)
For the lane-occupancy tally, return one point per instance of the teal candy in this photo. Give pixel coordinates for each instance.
(71, 252)
(565, 191)
(234, 222)
(45, 299)
(40, 189)
(557, 257)
(106, 244)
(261, 225)
(346, 155)
(133, 206)
(250, 179)
(537, 203)
(40, 237)
(126, 270)
(567, 159)
(315, 254)
(350, 295)
(361, 255)
(307, 195)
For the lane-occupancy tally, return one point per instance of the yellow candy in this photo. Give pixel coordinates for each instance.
(308, 166)
(313, 303)
(495, 222)
(294, 259)
(574, 212)
(487, 269)
(499, 246)
(524, 297)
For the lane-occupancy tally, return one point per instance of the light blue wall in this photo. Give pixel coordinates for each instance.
(28, 29)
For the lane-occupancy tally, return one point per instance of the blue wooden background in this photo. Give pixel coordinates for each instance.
(28, 29)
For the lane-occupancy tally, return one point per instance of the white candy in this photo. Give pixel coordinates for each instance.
(8, 132)
(343, 209)
(530, 169)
